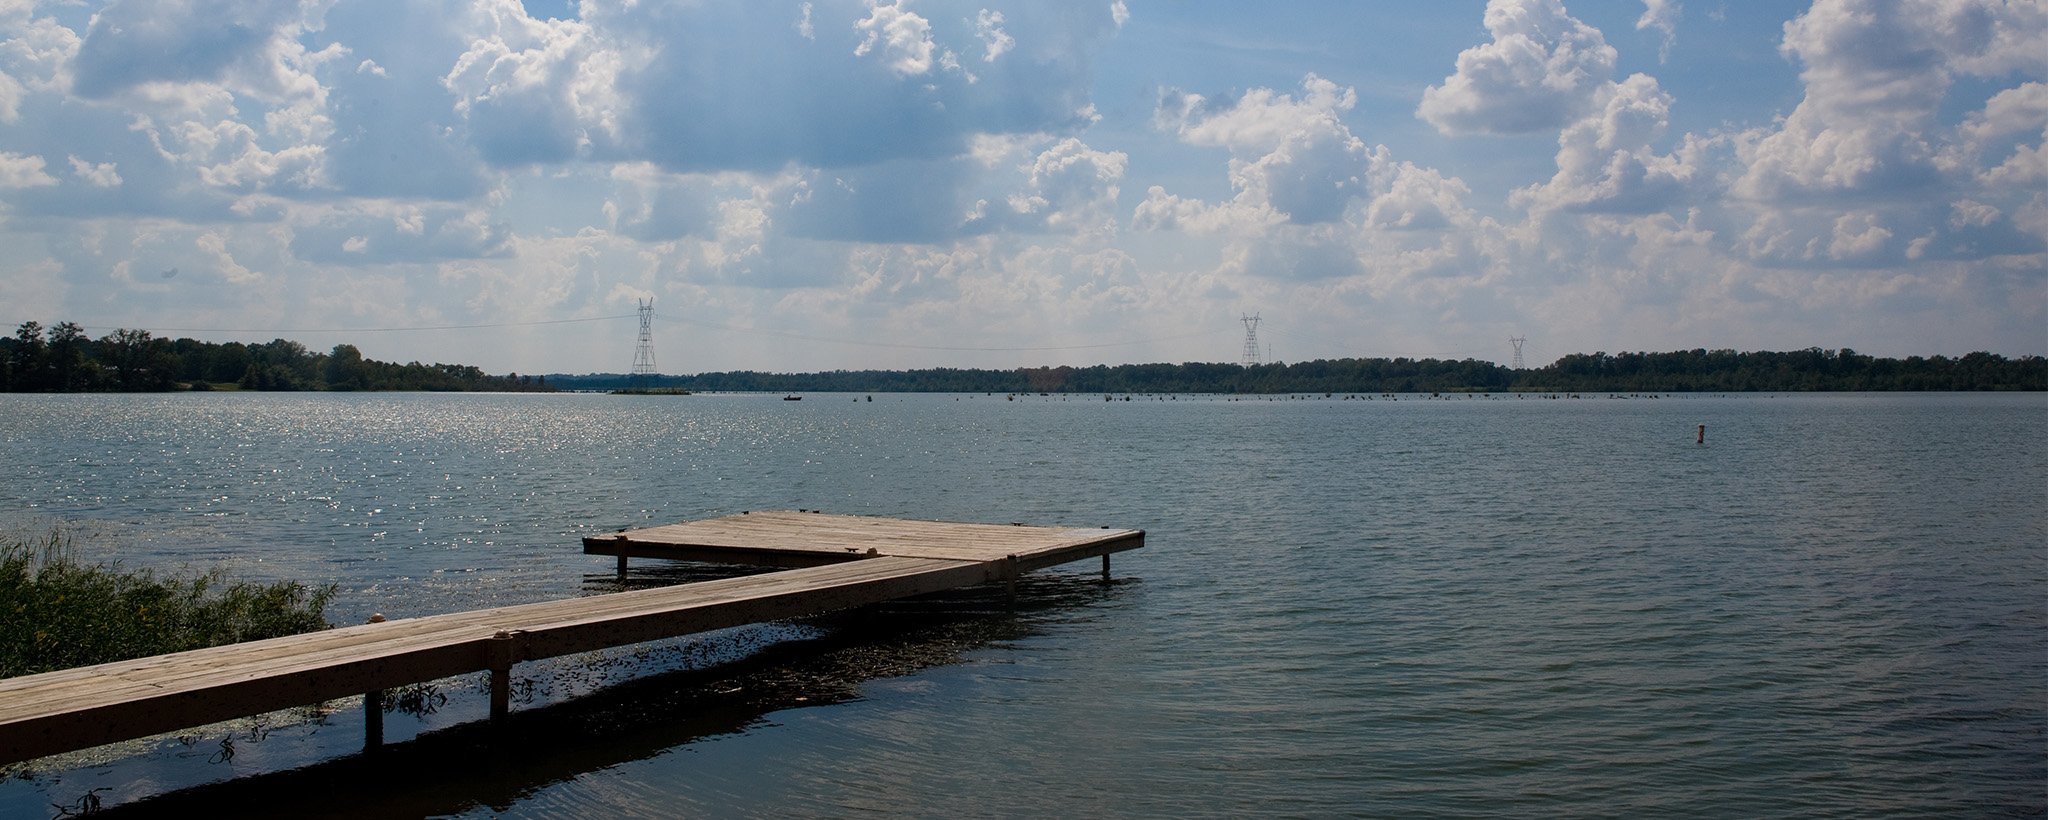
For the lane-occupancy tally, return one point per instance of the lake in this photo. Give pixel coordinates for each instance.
(1837, 606)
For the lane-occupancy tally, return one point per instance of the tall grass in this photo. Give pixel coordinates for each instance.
(57, 612)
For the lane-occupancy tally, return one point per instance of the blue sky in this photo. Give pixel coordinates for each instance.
(851, 184)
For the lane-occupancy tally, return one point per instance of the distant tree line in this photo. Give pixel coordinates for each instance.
(63, 359)
(1701, 370)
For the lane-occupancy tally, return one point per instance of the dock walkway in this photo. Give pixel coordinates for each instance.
(840, 562)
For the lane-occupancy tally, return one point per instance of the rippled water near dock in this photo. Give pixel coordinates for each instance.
(1481, 606)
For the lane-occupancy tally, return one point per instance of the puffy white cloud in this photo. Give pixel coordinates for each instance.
(99, 174)
(1543, 69)
(1293, 156)
(1857, 234)
(17, 171)
(1420, 199)
(1071, 189)
(2020, 110)
(1875, 75)
(37, 57)
(898, 37)
(536, 91)
(1314, 206)
(1605, 162)
(1850, 175)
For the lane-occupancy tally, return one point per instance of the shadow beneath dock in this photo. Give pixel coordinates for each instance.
(464, 767)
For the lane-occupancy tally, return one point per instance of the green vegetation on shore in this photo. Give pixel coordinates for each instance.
(58, 613)
(1813, 369)
(63, 359)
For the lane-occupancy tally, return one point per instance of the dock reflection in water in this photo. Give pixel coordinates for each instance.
(475, 766)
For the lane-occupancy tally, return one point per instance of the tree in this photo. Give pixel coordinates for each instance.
(69, 369)
(27, 358)
(230, 362)
(345, 369)
(137, 362)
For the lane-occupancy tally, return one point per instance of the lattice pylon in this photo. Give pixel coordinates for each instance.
(643, 354)
(1251, 340)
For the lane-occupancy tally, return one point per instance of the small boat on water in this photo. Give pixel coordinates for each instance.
(792, 398)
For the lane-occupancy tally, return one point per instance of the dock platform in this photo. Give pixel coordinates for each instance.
(839, 562)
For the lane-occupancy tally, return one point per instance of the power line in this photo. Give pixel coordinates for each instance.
(372, 329)
(809, 338)
(667, 318)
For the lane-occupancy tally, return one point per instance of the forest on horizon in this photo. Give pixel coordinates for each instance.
(1699, 370)
(62, 358)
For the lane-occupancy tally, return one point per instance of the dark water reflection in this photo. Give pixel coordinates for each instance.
(478, 767)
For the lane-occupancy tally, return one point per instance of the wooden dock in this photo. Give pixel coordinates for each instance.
(840, 562)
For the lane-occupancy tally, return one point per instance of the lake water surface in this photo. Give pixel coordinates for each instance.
(1475, 607)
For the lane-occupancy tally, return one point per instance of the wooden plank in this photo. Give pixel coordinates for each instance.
(784, 538)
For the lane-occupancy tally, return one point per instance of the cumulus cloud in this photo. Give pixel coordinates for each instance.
(1314, 204)
(17, 171)
(99, 174)
(1071, 188)
(898, 37)
(1605, 162)
(1419, 199)
(1542, 70)
(536, 91)
(1847, 176)
(2021, 110)
(37, 57)
(1292, 155)
(1875, 75)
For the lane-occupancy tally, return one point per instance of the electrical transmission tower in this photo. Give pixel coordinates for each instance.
(643, 355)
(1517, 342)
(1251, 340)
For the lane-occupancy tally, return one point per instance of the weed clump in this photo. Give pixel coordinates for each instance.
(58, 613)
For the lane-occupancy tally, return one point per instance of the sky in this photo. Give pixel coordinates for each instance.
(848, 184)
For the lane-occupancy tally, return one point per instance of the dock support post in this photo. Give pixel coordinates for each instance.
(373, 709)
(501, 650)
(622, 567)
(373, 720)
(1008, 568)
(1105, 566)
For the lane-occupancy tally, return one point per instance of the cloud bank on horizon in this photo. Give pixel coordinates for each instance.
(854, 183)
